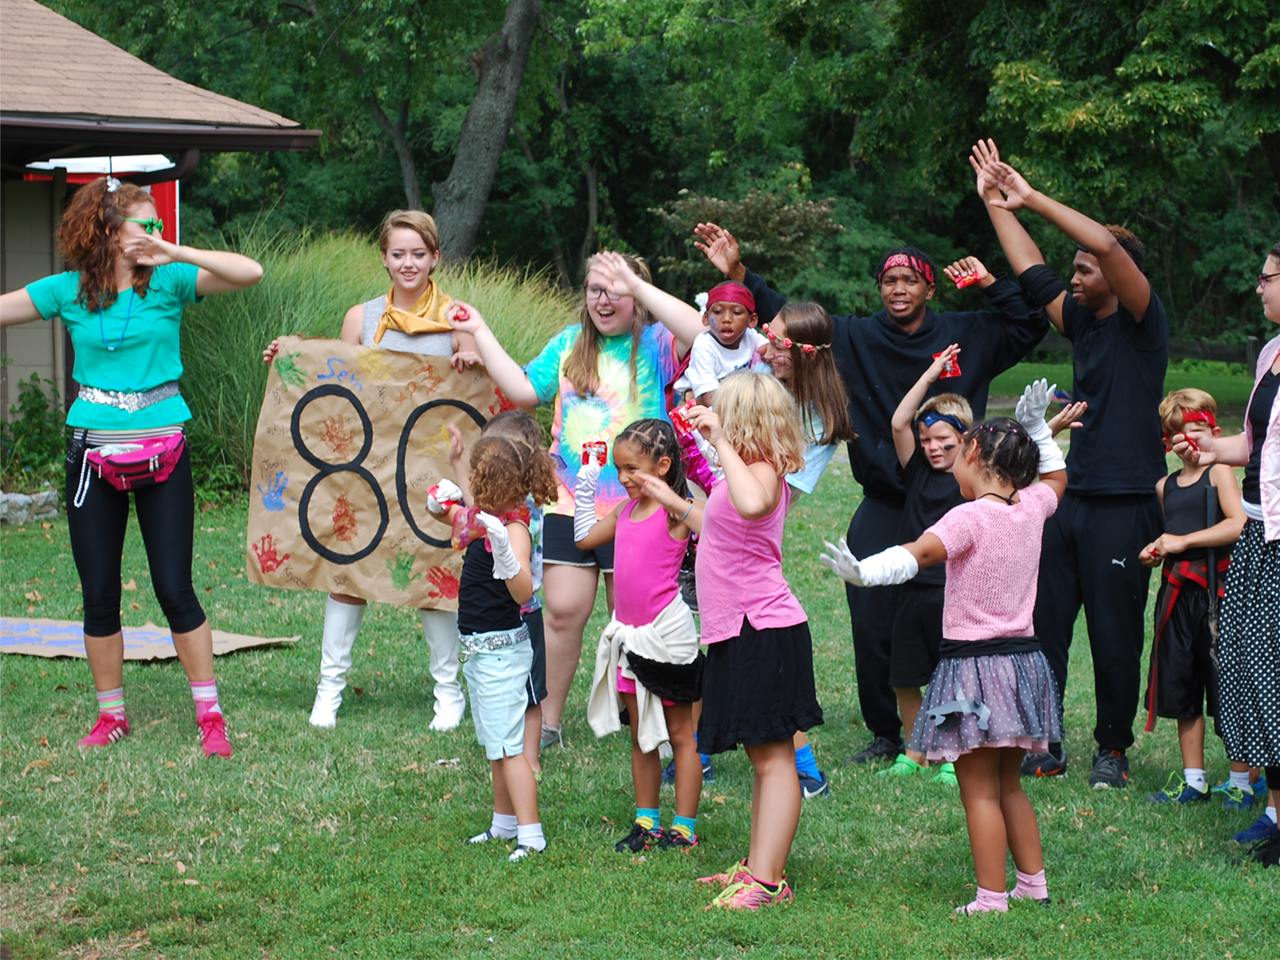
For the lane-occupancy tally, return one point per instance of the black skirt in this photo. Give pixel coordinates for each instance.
(758, 688)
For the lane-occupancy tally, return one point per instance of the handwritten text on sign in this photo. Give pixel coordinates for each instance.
(349, 440)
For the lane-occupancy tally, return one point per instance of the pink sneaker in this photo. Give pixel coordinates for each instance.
(750, 895)
(213, 735)
(738, 873)
(106, 731)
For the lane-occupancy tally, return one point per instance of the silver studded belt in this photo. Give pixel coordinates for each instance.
(129, 400)
(473, 643)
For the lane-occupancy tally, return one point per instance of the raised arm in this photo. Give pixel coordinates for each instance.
(221, 271)
(506, 373)
(904, 437)
(673, 313)
(1020, 250)
(1128, 283)
(754, 488)
(721, 249)
(16, 306)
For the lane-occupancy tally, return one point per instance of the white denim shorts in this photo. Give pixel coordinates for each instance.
(496, 682)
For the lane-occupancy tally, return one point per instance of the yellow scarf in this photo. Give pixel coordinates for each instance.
(427, 315)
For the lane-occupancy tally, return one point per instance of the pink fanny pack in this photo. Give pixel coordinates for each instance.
(130, 465)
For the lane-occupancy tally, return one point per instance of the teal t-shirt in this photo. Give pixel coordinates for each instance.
(147, 356)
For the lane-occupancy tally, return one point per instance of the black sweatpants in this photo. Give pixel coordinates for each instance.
(166, 514)
(874, 527)
(1089, 558)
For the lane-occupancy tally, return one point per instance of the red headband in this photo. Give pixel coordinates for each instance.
(911, 263)
(731, 293)
(1191, 416)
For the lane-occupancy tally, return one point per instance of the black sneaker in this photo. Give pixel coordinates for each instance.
(673, 839)
(669, 773)
(810, 788)
(1045, 764)
(881, 748)
(638, 840)
(1110, 769)
(688, 588)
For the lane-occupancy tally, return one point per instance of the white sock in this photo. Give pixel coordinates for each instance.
(1195, 778)
(504, 825)
(1271, 812)
(1240, 779)
(530, 835)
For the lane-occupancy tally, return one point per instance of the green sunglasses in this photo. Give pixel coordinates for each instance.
(154, 225)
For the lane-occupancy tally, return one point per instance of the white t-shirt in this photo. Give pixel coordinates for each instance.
(710, 361)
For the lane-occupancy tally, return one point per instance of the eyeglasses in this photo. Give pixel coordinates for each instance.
(1265, 278)
(595, 293)
(154, 225)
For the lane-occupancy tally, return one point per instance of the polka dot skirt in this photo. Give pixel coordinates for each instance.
(1249, 651)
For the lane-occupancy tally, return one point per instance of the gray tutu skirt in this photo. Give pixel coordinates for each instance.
(988, 693)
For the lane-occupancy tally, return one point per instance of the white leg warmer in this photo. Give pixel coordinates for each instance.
(341, 625)
(440, 628)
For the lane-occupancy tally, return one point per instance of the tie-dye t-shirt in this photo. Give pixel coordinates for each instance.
(602, 415)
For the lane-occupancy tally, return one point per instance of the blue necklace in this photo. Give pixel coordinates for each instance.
(102, 329)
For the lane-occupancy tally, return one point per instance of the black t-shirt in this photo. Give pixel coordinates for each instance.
(1264, 398)
(484, 604)
(879, 364)
(1186, 510)
(930, 494)
(1119, 365)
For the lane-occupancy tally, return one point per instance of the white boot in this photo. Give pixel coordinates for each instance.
(440, 628)
(341, 624)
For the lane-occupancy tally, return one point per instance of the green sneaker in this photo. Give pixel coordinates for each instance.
(946, 775)
(904, 766)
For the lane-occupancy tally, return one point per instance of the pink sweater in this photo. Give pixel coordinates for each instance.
(993, 562)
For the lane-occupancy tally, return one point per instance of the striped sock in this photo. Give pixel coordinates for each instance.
(111, 701)
(648, 818)
(684, 826)
(205, 694)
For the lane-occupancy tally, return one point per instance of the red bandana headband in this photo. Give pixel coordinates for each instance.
(911, 263)
(786, 343)
(731, 293)
(1204, 416)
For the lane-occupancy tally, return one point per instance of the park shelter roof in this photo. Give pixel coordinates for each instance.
(65, 92)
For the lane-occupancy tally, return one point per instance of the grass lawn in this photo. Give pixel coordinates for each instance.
(349, 842)
(1231, 392)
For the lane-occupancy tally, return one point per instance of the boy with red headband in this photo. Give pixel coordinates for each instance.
(730, 344)
(1195, 554)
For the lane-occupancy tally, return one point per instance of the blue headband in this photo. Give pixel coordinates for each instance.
(933, 416)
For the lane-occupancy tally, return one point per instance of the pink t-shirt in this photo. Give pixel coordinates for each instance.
(646, 562)
(993, 562)
(740, 569)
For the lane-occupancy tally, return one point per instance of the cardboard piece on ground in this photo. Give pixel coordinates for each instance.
(65, 638)
(349, 440)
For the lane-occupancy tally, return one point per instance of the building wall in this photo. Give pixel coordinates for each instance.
(29, 213)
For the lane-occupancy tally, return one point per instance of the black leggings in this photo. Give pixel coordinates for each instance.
(1273, 778)
(166, 514)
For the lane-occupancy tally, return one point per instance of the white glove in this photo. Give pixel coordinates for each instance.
(708, 451)
(505, 564)
(888, 567)
(584, 499)
(442, 496)
(1032, 406)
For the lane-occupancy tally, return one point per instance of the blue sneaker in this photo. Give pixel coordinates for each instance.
(669, 773)
(1264, 828)
(1235, 798)
(1177, 790)
(810, 787)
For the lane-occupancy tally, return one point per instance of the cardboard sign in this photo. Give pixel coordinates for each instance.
(64, 638)
(349, 440)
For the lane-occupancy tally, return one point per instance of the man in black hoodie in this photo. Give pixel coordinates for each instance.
(880, 358)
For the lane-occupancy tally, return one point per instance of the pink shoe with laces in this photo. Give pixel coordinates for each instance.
(106, 731)
(735, 874)
(213, 735)
(751, 894)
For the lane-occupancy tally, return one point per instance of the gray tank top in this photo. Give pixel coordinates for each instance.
(428, 344)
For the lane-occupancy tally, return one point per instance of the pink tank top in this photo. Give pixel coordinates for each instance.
(646, 561)
(740, 569)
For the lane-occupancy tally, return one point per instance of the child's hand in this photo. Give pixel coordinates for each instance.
(464, 359)
(269, 354)
(940, 361)
(969, 266)
(455, 442)
(652, 486)
(1034, 403)
(464, 317)
(720, 246)
(442, 496)
(1154, 553)
(1068, 418)
(505, 564)
(619, 278)
(706, 422)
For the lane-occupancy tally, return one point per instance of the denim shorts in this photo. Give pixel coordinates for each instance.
(496, 682)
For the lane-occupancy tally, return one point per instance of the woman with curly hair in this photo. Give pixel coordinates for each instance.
(122, 302)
